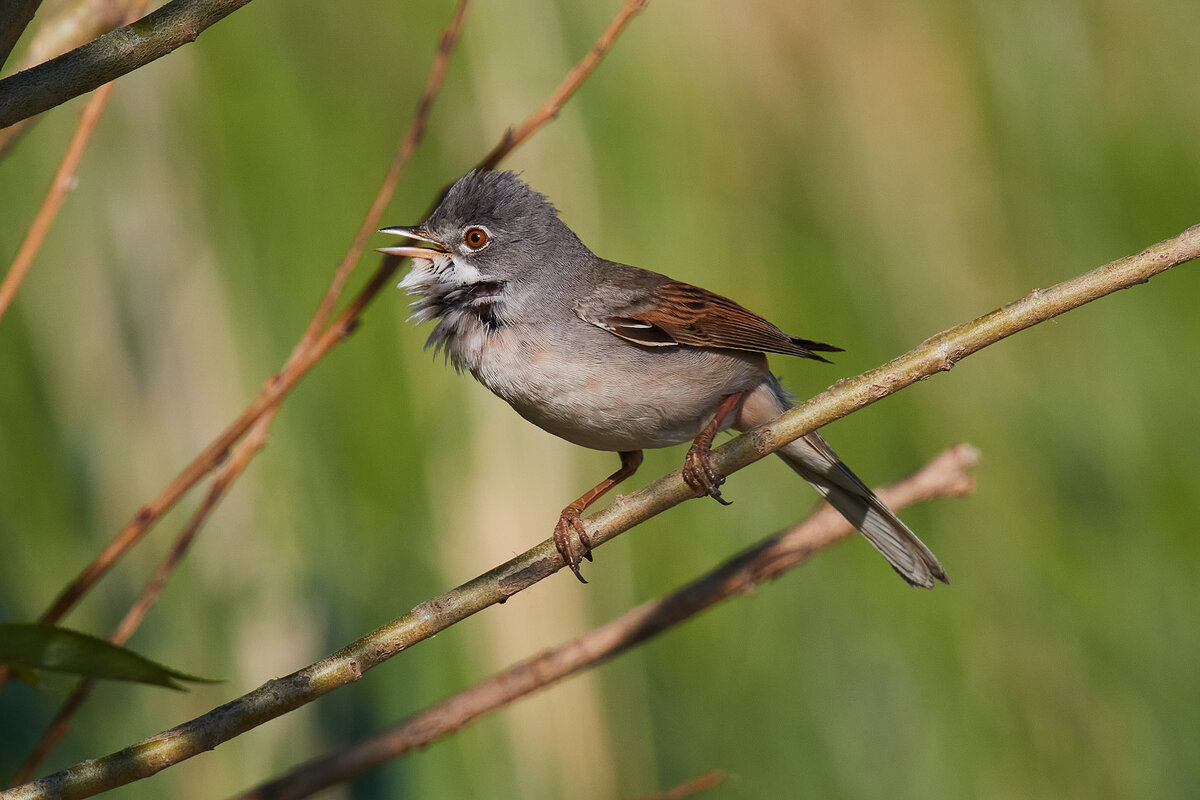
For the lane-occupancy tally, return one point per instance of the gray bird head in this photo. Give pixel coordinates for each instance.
(495, 227)
(489, 245)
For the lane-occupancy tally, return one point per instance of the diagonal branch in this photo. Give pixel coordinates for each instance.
(548, 111)
(56, 195)
(108, 57)
(701, 783)
(246, 449)
(370, 223)
(944, 476)
(277, 697)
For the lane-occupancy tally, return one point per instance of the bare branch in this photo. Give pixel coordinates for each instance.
(701, 783)
(513, 139)
(255, 440)
(409, 144)
(279, 696)
(57, 193)
(55, 196)
(946, 475)
(108, 57)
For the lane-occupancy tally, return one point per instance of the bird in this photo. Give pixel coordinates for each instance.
(613, 357)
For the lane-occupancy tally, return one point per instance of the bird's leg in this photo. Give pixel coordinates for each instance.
(570, 519)
(697, 470)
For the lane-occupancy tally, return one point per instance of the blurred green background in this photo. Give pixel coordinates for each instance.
(864, 173)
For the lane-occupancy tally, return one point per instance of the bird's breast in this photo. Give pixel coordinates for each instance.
(596, 390)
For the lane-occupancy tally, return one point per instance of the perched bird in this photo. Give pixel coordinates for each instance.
(614, 357)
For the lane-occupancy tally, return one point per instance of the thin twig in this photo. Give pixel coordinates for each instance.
(108, 57)
(246, 449)
(55, 731)
(409, 144)
(243, 454)
(213, 455)
(63, 180)
(279, 696)
(512, 139)
(701, 783)
(944, 476)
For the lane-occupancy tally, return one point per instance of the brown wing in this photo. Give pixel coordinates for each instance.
(676, 313)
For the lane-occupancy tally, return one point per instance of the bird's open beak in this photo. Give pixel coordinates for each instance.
(416, 233)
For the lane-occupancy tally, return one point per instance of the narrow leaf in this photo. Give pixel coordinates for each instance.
(28, 646)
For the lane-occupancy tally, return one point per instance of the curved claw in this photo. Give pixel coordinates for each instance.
(698, 474)
(567, 521)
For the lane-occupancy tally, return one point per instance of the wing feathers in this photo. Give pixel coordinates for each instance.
(676, 313)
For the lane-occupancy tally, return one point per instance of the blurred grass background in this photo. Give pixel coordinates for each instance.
(864, 173)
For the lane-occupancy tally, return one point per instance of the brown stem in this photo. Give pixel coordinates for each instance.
(512, 139)
(408, 145)
(57, 193)
(945, 475)
(255, 440)
(55, 196)
(701, 783)
(215, 453)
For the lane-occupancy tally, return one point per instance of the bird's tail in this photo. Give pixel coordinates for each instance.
(815, 461)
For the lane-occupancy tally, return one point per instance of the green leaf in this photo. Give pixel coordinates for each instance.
(27, 646)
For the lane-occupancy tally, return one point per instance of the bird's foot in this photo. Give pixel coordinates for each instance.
(699, 474)
(570, 520)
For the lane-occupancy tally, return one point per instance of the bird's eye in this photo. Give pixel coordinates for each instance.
(475, 238)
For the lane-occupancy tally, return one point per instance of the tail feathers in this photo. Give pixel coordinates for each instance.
(907, 554)
(816, 462)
